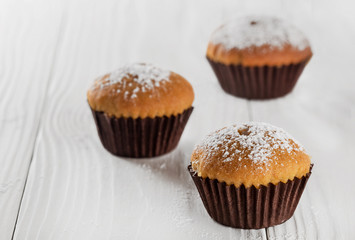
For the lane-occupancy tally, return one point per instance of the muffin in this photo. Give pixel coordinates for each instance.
(250, 175)
(140, 110)
(258, 57)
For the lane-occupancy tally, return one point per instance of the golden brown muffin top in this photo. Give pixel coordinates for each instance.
(141, 90)
(258, 41)
(250, 154)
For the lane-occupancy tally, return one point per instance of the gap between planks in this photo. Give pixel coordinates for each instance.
(267, 233)
(50, 77)
(250, 112)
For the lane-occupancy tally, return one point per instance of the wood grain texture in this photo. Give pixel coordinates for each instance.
(317, 113)
(27, 46)
(77, 190)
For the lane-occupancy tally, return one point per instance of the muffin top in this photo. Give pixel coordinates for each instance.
(250, 154)
(141, 90)
(257, 41)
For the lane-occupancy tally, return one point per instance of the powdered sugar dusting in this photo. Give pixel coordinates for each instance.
(256, 31)
(256, 140)
(147, 76)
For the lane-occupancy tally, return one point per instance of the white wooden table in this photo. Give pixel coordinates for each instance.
(58, 182)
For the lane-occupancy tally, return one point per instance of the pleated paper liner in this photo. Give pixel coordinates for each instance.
(250, 208)
(261, 82)
(141, 137)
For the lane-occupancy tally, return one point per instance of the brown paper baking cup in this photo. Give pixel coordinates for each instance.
(250, 208)
(261, 82)
(141, 137)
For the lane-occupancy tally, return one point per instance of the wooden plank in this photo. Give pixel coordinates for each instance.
(318, 114)
(27, 46)
(75, 189)
(329, 144)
